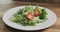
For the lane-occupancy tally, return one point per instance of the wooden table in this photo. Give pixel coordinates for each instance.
(54, 7)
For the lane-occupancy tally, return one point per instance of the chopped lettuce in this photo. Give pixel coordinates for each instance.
(20, 17)
(43, 14)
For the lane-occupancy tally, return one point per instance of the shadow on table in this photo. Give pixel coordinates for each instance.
(16, 30)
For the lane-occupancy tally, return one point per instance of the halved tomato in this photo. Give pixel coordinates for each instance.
(30, 16)
(36, 13)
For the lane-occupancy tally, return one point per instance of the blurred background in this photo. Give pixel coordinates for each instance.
(46, 1)
(41, 1)
(54, 5)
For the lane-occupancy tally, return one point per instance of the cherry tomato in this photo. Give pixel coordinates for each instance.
(30, 16)
(36, 13)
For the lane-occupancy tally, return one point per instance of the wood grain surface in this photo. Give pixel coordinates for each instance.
(54, 7)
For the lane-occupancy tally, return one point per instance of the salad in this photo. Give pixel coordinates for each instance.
(29, 16)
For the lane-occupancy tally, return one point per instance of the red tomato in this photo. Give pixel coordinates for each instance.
(30, 16)
(36, 13)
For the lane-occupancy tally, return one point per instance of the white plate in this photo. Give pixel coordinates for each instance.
(49, 22)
